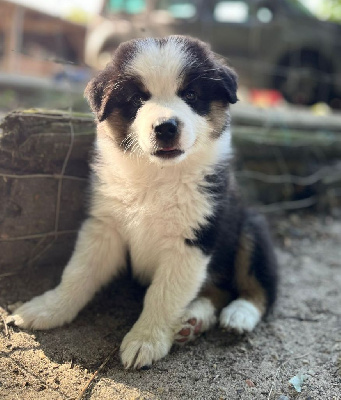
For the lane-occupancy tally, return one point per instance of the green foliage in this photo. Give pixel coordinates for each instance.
(331, 10)
(78, 15)
(8, 99)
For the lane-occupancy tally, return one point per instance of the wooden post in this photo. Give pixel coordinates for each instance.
(13, 37)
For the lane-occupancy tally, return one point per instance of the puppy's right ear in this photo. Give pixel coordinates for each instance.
(99, 96)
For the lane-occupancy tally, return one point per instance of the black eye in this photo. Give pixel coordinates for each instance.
(137, 99)
(190, 96)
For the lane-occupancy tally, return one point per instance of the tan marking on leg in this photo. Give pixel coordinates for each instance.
(219, 298)
(248, 286)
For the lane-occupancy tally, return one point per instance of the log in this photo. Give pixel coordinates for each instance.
(37, 141)
(288, 119)
(44, 165)
(287, 156)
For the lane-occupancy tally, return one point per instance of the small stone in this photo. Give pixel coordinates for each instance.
(283, 397)
(250, 383)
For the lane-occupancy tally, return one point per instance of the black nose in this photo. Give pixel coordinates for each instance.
(167, 130)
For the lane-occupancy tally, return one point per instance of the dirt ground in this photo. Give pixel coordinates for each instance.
(302, 336)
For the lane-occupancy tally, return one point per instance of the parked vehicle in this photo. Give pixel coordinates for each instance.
(273, 44)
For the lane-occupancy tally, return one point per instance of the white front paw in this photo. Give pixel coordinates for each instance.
(142, 346)
(43, 312)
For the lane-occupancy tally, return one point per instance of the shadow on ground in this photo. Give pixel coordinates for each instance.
(301, 336)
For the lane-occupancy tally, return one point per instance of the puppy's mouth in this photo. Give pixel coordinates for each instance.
(168, 152)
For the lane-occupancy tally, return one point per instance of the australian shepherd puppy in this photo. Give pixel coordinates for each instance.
(163, 193)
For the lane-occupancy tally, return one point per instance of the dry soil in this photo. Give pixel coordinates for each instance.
(302, 336)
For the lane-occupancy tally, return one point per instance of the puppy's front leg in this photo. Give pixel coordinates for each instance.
(176, 283)
(98, 256)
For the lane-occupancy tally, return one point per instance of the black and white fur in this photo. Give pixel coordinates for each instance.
(164, 193)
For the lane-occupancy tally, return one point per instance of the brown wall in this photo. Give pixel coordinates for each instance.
(31, 42)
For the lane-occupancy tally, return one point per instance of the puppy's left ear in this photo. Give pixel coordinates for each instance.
(98, 96)
(229, 83)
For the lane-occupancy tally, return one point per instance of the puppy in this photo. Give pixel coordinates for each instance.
(164, 193)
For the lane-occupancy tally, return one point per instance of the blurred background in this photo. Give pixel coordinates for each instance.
(287, 52)
(286, 128)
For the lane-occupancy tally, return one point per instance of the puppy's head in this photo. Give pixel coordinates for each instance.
(163, 98)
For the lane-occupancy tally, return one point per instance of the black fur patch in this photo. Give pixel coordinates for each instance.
(205, 237)
(209, 86)
(207, 76)
(110, 90)
(217, 188)
(235, 222)
(263, 263)
(117, 93)
(114, 87)
(220, 238)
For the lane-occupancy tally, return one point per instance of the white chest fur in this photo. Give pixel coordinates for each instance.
(161, 220)
(155, 209)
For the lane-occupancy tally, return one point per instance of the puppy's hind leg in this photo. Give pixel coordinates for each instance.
(255, 277)
(98, 256)
(201, 314)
